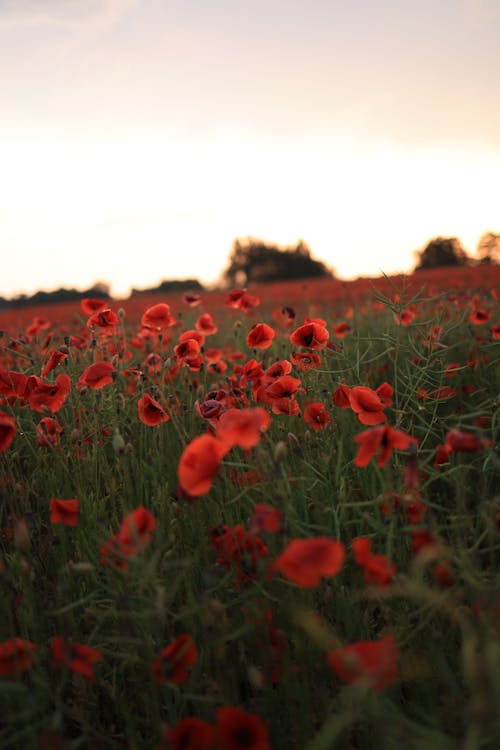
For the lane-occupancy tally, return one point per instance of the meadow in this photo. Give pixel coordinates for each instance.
(256, 519)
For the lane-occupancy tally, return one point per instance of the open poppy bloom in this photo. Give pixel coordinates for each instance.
(42, 395)
(371, 663)
(316, 416)
(190, 734)
(55, 358)
(48, 431)
(367, 405)
(151, 412)
(193, 300)
(383, 439)
(311, 336)
(306, 360)
(105, 320)
(16, 656)
(206, 325)
(199, 463)
(75, 656)
(377, 568)
(266, 518)
(243, 427)
(158, 317)
(237, 729)
(172, 665)
(91, 305)
(136, 533)
(7, 431)
(240, 549)
(260, 336)
(64, 511)
(306, 561)
(97, 375)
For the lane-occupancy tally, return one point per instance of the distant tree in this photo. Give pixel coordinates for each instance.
(441, 251)
(253, 260)
(488, 248)
(173, 285)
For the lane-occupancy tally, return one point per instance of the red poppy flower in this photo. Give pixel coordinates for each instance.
(187, 350)
(16, 656)
(239, 548)
(367, 405)
(260, 336)
(193, 300)
(206, 325)
(283, 387)
(150, 411)
(341, 330)
(478, 317)
(384, 439)
(306, 361)
(7, 431)
(243, 427)
(56, 357)
(316, 416)
(467, 442)
(190, 734)
(266, 519)
(341, 397)
(76, 656)
(105, 320)
(306, 561)
(310, 336)
(90, 305)
(97, 375)
(13, 385)
(406, 317)
(158, 317)
(172, 665)
(371, 663)
(135, 533)
(199, 463)
(495, 331)
(377, 568)
(42, 396)
(48, 431)
(236, 729)
(38, 324)
(64, 511)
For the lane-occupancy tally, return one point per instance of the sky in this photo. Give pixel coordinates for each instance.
(140, 138)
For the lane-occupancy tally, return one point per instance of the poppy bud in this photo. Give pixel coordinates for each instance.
(118, 443)
(280, 451)
(22, 540)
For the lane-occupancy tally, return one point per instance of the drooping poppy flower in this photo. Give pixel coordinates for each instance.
(206, 325)
(150, 411)
(7, 431)
(97, 375)
(266, 519)
(260, 336)
(190, 734)
(243, 427)
(316, 416)
(306, 561)
(341, 397)
(55, 358)
(371, 663)
(64, 511)
(237, 729)
(16, 656)
(367, 405)
(48, 431)
(199, 463)
(377, 568)
(158, 317)
(310, 336)
(172, 665)
(75, 656)
(52, 396)
(384, 439)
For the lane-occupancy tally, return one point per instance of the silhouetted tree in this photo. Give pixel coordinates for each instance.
(253, 260)
(174, 285)
(441, 251)
(488, 248)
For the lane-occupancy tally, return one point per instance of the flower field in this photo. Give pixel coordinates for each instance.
(260, 519)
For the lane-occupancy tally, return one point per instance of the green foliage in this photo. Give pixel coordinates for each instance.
(441, 251)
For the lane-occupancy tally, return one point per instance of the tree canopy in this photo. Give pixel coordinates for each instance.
(253, 260)
(441, 251)
(488, 248)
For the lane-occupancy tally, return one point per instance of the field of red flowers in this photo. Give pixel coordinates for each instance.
(253, 520)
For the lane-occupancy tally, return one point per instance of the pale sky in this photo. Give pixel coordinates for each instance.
(139, 138)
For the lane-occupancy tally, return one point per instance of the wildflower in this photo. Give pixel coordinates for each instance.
(199, 463)
(341, 397)
(371, 663)
(64, 511)
(306, 360)
(367, 405)
(97, 375)
(240, 549)
(135, 533)
(206, 325)
(377, 568)
(75, 656)
(266, 518)
(150, 412)
(172, 665)
(260, 336)
(190, 734)
(55, 358)
(316, 416)
(158, 317)
(41, 395)
(310, 335)
(243, 427)
(105, 320)
(90, 305)
(7, 431)
(48, 431)
(384, 439)
(16, 656)
(306, 561)
(341, 330)
(237, 729)
(193, 300)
